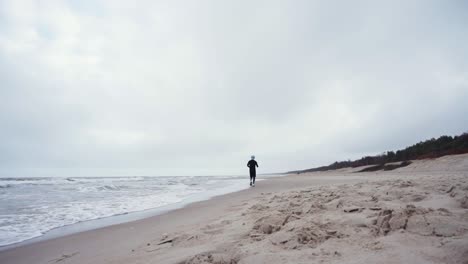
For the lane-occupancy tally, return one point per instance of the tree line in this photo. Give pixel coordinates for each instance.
(428, 149)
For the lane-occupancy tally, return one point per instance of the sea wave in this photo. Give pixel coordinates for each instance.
(30, 207)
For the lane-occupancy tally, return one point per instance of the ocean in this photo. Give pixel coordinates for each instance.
(31, 207)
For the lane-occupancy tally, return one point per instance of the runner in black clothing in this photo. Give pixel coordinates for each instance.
(252, 164)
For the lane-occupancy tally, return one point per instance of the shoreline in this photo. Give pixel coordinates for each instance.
(92, 224)
(44, 250)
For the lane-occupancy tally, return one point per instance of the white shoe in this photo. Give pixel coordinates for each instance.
(253, 185)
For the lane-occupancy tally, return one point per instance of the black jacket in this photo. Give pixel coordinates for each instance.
(252, 164)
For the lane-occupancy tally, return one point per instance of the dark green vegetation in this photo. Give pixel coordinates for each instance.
(429, 149)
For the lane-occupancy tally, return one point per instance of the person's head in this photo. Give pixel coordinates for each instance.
(252, 157)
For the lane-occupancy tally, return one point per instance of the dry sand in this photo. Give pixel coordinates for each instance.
(416, 214)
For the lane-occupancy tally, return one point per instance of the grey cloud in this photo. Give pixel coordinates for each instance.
(196, 87)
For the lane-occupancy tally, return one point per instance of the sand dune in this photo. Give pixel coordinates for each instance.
(419, 220)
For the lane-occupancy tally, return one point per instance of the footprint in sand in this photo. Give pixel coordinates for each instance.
(212, 257)
(63, 257)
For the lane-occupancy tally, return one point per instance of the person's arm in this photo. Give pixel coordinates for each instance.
(256, 163)
(248, 163)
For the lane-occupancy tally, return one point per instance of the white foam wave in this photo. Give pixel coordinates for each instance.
(31, 207)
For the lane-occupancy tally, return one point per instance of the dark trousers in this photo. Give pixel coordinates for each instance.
(252, 176)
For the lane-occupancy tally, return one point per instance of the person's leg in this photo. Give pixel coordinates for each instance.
(251, 179)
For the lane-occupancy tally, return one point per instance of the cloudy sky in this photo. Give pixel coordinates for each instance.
(196, 87)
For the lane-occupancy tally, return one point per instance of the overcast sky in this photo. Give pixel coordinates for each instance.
(195, 87)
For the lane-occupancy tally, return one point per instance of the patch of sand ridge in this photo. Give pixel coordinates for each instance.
(344, 223)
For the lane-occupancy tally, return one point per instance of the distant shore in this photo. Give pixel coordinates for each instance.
(414, 214)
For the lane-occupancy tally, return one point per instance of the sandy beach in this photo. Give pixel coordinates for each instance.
(131, 132)
(415, 214)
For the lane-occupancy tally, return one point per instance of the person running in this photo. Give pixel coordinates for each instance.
(252, 164)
